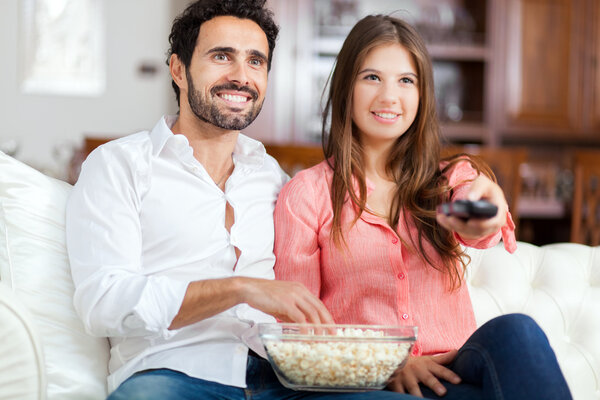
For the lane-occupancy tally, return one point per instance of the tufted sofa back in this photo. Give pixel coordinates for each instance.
(559, 286)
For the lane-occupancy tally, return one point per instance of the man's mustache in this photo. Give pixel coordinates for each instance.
(232, 86)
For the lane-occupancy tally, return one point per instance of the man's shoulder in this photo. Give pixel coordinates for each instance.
(134, 142)
(126, 148)
(120, 156)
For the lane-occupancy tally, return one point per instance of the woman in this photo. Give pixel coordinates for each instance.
(361, 231)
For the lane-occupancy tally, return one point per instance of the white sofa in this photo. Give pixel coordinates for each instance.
(46, 354)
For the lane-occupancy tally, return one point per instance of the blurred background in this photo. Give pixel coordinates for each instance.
(517, 82)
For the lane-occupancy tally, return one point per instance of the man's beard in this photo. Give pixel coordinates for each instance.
(208, 111)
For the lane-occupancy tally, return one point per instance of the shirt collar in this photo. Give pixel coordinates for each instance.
(247, 151)
(370, 186)
(250, 152)
(161, 133)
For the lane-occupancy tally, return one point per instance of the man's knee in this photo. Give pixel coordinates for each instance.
(146, 386)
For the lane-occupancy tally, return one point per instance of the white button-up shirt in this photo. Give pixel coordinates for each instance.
(143, 221)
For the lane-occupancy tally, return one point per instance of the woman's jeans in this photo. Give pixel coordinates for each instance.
(508, 358)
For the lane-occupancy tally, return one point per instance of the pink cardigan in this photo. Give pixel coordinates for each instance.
(378, 281)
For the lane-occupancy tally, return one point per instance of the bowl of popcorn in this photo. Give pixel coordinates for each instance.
(341, 358)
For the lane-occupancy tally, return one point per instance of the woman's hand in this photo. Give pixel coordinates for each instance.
(426, 370)
(473, 228)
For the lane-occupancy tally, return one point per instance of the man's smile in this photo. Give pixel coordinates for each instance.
(235, 98)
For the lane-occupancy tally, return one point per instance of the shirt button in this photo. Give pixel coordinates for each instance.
(395, 240)
(405, 316)
(401, 275)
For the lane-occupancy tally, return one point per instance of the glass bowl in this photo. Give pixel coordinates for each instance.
(340, 358)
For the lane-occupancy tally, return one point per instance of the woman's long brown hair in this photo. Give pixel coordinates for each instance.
(414, 162)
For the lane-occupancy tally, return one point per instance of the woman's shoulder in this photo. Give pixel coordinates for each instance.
(313, 181)
(315, 174)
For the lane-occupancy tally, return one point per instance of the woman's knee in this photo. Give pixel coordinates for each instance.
(520, 329)
(514, 323)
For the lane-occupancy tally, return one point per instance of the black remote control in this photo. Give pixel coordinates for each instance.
(465, 209)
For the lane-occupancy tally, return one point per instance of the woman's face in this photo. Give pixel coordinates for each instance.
(386, 95)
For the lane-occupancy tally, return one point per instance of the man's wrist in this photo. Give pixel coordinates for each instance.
(239, 286)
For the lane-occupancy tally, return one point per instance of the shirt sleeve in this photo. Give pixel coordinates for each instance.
(297, 250)
(460, 178)
(113, 295)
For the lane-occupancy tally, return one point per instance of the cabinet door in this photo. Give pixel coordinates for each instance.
(541, 93)
(592, 64)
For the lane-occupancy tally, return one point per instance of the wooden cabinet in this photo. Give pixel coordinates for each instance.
(507, 72)
(461, 55)
(592, 88)
(548, 77)
(457, 33)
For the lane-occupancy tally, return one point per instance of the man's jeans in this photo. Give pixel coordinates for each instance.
(508, 358)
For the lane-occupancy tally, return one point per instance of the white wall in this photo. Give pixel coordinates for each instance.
(136, 32)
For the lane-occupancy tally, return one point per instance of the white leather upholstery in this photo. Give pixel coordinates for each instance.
(559, 286)
(35, 266)
(22, 375)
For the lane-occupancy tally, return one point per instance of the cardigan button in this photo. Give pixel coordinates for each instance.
(401, 275)
(395, 240)
(405, 316)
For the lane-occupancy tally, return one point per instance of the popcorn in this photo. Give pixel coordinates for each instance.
(330, 361)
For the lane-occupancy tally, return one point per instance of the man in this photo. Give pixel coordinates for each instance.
(170, 232)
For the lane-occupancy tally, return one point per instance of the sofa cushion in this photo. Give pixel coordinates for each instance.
(558, 285)
(21, 348)
(34, 263)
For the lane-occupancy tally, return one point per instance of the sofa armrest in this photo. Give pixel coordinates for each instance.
(21, 358)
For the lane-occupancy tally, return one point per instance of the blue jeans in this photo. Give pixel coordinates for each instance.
(508, 358)
(165, 384)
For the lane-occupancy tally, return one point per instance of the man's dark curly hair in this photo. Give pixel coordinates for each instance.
(186, 26)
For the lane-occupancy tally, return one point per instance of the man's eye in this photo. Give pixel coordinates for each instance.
(220, 57)
(257, 62)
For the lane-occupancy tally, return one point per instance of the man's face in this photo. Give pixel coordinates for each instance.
(227, 77)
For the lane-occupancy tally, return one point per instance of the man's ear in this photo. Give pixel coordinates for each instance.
(178, 71)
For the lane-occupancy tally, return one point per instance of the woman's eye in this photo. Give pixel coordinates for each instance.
(406, 80)
(372, 77)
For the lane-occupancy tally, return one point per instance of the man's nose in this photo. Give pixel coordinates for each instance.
(239, 74)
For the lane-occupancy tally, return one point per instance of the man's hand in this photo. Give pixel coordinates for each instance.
(482, 188)
(285, 300)
(426, 370)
